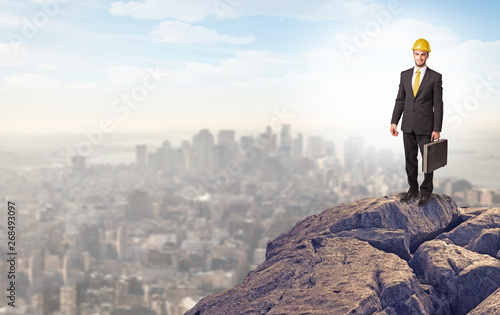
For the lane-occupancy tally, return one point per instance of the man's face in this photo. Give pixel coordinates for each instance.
(420, 57)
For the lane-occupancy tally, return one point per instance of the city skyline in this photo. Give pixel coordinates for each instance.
(471, 159)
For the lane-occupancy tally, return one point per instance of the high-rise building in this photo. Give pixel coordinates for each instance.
(315, 147)
(139, 206)
(226, 148)
(221, 156)
(354, 149)
(285, 140)
(89, 239)
(267, 142)
(122, 241)
(298, 147)
(169, 156)
(226, 137)
(185, 153)
(330, 148)
(68, 300)
(203, 147)
(246, 142)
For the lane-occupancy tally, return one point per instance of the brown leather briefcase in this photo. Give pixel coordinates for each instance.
(435, 155)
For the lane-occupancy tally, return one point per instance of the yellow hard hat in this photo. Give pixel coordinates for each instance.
(422, 44)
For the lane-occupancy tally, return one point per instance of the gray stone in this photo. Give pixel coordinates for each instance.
(468, 213)
(466, 278)
(418, 223)
(486, 242)
(388, 240)
(489, 306)
(465, 232)
(336, 276)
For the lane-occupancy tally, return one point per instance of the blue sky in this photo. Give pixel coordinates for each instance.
(330, 64)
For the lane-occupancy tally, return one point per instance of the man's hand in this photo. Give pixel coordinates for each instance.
(394, 130)
(435, 135)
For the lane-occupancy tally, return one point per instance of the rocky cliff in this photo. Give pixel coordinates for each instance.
(376, 256)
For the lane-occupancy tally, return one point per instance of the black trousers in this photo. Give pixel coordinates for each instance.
(412, 142)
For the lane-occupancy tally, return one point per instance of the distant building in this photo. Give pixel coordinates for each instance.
(139, 206)
(285, 141)
(315, 147)
(226, 138)
(329, 148)
(298, 147)
(221, 156)
(122, 241)
(354, 149)
(68, 300)
(78, 162)
(267, 142)
(90, 239)
(203, 147)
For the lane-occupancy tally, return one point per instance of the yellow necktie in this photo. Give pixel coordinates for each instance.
(417, 84)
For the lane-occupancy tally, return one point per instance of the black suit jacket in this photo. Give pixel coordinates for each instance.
(423, 113)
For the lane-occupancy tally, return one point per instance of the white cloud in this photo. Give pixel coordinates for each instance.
(184, 33)
(196, 11)
(9, 20)
(31, 81)
(184, 10)
(48, 66)
(241, 69)
(125, 76)
(84, 86)
(11, 56)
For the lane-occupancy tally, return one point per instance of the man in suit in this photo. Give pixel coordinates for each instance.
(420, 101)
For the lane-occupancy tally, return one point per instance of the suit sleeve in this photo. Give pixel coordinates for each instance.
(400, 103)
(438, 104)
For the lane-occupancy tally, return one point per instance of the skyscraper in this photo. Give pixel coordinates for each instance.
(226, 138)
(353, 152)
(139, 206)
(298, 147)
(285, 141)
(203, 147)
(68, 300)
(226, 148)
(315, 147)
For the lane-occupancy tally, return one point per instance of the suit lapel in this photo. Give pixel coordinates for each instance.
(424, 80)
(407, 81)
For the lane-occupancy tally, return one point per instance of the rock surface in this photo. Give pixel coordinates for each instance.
(489, 306)
(418, 224)
(465, 232)
(325, 276)
(357, 259)
(465, 277)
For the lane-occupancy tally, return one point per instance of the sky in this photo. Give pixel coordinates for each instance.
(82, 66)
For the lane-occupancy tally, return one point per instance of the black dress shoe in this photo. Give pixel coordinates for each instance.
(408, 196)
(424, 200)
